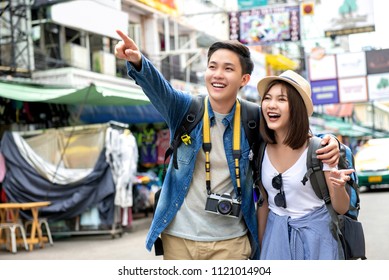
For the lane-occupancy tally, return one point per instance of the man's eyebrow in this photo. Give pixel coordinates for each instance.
(229, 64)
(223, 63)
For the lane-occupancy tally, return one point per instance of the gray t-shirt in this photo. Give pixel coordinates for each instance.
(192, 221)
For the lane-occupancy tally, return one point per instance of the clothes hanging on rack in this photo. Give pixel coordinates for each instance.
(163, 143)
(147, 139)
(122, 156)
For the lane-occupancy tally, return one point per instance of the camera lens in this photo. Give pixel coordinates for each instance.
(224, 207)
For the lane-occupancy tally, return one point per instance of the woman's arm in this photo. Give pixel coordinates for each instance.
(262, 213)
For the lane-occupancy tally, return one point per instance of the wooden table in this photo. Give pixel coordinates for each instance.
(14, 208)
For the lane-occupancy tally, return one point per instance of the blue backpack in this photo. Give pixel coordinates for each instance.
(349, 230)
(346, 161)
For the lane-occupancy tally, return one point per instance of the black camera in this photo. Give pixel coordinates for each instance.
(223, 205)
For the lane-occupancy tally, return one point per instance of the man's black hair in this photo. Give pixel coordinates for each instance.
(241, 50)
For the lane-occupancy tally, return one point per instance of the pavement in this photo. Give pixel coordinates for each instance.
(130, 246)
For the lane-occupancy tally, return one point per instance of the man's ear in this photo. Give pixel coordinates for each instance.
(245, 80)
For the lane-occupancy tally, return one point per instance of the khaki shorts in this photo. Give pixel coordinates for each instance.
(176, 248)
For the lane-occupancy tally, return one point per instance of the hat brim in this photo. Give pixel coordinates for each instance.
(264, 83)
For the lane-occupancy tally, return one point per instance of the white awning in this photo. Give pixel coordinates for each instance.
(89, 16)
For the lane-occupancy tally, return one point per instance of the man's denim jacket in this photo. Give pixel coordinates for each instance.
(172, 105)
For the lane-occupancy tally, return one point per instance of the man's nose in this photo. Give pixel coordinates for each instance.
(218, 72)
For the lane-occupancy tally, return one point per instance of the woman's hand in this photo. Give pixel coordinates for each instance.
(336, 181)
(339, 178)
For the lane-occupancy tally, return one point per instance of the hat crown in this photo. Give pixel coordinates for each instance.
(302, 86)
(297, 79)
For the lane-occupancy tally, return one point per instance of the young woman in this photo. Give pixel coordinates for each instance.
(293, 222)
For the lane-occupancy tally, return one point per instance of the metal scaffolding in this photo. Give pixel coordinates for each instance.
(16, 54)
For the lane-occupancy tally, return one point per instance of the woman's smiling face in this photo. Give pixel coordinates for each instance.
(275, 106)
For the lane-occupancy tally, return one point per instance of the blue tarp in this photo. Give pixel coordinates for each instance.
(125, 114)
(22, 183)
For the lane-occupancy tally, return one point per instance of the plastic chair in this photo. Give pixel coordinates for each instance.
(12, 230)
(42, 221)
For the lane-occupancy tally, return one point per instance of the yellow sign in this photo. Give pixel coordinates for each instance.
(165, 6)
(280, 62)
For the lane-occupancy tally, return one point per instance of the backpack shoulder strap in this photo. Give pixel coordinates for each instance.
(190, 120)
(250, 117)
(314, 170)
(319, 184)
(261, 153)
(250, 120)
(257, 165)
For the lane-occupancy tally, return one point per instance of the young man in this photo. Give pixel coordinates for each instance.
(187, 217)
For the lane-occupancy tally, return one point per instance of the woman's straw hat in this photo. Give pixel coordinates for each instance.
(297, 81)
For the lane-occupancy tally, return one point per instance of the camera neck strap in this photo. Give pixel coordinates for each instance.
(207, 145)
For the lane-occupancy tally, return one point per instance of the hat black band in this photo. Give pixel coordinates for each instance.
(290, 79)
